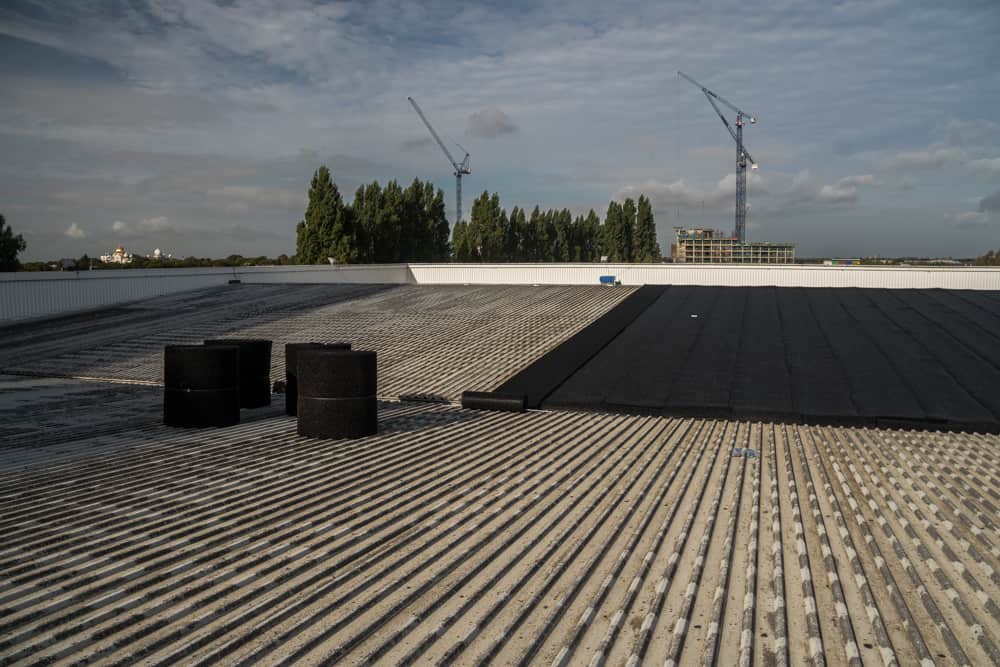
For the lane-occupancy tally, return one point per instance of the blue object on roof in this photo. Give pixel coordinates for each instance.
(607, 280)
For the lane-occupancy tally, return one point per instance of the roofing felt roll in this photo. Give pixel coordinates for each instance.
(543, 376)
(337, 418)
(200, 408)
(199, 367)
(255, 369)
(291, 370)
(491, 400)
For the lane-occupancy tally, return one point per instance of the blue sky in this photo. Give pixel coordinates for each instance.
(194, 126)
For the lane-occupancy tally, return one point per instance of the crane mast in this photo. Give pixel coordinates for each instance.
(742, 155)
(461, 168)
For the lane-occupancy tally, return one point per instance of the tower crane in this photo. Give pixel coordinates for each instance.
(742, 155)
(461, 168)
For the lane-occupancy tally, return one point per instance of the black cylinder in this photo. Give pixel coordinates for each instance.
(202, 385)
(291, 372)
(491, 400)
(255, 370)
(336, 393)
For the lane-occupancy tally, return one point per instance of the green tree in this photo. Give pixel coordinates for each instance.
(645, 246)
(10, 247)
(327, 229)
(617, 233)
(592, 246)
(991, 258)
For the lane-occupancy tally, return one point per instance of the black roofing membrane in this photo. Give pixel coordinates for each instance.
(921, 358)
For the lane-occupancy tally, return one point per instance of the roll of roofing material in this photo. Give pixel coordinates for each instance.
(255, 370)
(336, 393)
(337, 417)
(291, 372)
(489, 400)
(202, 385)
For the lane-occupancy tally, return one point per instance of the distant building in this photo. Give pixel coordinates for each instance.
(708, 246)
(119, 256)
(841, 261)
(158, 254)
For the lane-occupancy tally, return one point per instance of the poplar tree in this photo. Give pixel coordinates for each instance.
(646, 248)
(10, 246)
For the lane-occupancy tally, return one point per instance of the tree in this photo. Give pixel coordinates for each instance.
(617, 233)
(645, 246)
(991, 258)
(10, 246)
(327, 229)
(592, 247)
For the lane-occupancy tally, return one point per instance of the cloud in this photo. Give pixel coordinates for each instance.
(489, 123)
(970, 220)
(934, 156)
(990, 203)
(414, 144)
(985, 166)
(682, 194)
(845, 190)
(982, 218)
(145, 227)
(75, 232)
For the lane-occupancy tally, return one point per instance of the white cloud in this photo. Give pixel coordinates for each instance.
(934, 156)
(489, 124)
(143, 228)
(985, 167)
(75, 232)
(157, 224)
(970, 220)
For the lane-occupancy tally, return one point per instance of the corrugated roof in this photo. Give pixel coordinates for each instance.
(467, 537)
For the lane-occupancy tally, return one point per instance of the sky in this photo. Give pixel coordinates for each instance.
(194, 126)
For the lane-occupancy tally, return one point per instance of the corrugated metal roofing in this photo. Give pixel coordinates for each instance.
(436, 341)
(467, 537)
(473, 538)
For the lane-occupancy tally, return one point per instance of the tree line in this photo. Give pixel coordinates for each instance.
(382, 224)
(393, 224)
(991, 258)
(628, 234)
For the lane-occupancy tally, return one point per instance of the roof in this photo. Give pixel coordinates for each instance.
(457, 535)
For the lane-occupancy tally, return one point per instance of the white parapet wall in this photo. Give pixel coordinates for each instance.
(725, 275)
(27, 295)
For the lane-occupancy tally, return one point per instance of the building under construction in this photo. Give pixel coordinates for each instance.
(708, 246)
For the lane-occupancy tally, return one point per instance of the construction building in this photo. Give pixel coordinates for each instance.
(709, 246)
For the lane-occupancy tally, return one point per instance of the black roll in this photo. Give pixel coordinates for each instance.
(199, 367)
(198, 408)
(202, 385)
(255, 369)
(336, 393)
(291, 372)
(337, 417)
(490, 400)
(331, 373)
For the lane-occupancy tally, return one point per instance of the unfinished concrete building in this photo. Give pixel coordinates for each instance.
(708, 246)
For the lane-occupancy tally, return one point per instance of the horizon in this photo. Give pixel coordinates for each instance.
(195, 127)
